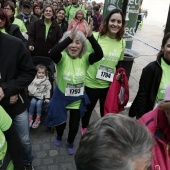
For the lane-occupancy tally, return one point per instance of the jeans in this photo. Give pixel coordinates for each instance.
(36, 103)
(21, 125)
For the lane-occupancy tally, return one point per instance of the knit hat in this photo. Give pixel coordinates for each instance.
(167, 93)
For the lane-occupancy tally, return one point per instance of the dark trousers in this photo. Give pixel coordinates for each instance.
(94, 95)
(73, 126)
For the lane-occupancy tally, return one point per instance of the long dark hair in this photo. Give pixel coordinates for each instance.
(4, 16)
(104, 26)
(164, 41)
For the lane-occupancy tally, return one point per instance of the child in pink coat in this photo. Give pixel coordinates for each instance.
(80, 21)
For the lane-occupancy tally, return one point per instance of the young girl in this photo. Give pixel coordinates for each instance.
(79, 21)
(39, 89)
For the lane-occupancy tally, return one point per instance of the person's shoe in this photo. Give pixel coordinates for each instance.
(36, 124)
(30, 121)
(70, 149)
(29, 167)
(57, 142)
(83, 131)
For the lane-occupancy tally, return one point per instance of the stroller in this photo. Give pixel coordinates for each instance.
(49, 64)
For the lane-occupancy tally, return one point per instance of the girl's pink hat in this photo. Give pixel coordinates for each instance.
(167, 93)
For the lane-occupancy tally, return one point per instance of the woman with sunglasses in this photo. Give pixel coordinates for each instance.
(8, 28)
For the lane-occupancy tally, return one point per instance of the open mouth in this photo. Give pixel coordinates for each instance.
(73, 50)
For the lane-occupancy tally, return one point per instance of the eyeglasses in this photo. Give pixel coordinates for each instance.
(7, 9)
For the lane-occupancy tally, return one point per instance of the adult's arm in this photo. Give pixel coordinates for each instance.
(55, 53)
(140, 103)
(98, 52)
(25, 72)
(14, 148)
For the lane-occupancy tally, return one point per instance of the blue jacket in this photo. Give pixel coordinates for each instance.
(56, 108)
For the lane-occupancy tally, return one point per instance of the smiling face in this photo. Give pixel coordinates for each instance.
(48, 13)
(27, 10)
(75, 48)
(79, 15)
(166, 50)
(114, 24)
(60, 15)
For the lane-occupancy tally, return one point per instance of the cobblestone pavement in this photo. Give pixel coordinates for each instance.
(49, 157)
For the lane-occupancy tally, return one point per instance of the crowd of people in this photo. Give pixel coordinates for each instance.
(86, 50)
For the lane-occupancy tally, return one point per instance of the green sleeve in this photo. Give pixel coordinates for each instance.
(5, 120)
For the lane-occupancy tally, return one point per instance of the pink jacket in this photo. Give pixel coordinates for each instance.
(161, 159)
(80, 26)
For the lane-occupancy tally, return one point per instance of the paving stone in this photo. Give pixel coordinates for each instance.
(46, 146)
(53, 153)
(41, 154)
(48, 161)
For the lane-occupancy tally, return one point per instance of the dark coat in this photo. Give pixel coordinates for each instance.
(37, 39)
(63, 27)
(15, 31)
(148, 89)
(16, 73)
(28, 24)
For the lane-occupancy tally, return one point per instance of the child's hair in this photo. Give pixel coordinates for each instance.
(75, 17)
(40, 66)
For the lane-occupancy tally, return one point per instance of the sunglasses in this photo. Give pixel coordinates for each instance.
(2, 18)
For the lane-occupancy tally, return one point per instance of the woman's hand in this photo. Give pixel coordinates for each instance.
(89, 28)
(74, 31)
(31, 48)
(13, 99)
(164, 105)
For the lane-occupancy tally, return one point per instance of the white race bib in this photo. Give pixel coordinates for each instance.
(74, 89)
(105, 73)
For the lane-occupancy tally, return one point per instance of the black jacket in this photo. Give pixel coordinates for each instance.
(63, 27)
(37, 39)
(148, 89)
(15, 31)
(16, 73)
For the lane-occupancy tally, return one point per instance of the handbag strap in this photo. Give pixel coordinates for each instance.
(6, 161)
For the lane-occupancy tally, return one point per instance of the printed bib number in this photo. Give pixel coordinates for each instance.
(74, 89)
(105, 73)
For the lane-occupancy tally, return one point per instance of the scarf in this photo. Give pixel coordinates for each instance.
(26, 18)
(35, 83)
